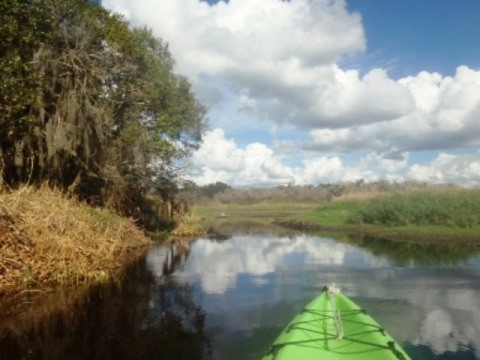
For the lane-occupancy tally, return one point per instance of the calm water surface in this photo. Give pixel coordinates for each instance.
(230, 298)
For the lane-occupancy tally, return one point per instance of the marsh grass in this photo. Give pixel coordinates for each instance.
(48, 239)
(457, 208)
(213, 215)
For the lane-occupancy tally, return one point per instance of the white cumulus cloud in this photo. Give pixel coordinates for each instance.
(446, 115)
(276, 63)
(220, 159)
(449, 168)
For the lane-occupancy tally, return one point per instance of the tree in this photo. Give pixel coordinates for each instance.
(23, 26)
(91, 105)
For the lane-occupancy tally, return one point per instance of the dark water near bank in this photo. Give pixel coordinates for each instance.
(230, 298)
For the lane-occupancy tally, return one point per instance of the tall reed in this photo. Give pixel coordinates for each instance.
(457, 207)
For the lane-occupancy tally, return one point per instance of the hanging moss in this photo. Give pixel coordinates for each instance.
(99, 110)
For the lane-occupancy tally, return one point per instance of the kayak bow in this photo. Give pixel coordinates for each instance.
(333, 327)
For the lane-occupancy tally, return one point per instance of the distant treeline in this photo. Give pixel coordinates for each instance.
(92, 106)
(224, 194)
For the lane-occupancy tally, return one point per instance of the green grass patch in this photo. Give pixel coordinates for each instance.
(426, 216)
(385, 216)
(331, 214)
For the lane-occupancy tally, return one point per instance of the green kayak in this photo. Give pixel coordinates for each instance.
(333, 327)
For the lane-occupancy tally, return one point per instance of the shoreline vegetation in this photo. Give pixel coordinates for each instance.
(93, 107)
(51, 241)
(48, 239)
(56, 249)
(420, 214)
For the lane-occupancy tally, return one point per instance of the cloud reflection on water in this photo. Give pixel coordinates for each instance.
(434, 306)
(220, 263)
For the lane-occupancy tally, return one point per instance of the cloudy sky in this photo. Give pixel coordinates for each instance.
(315, 91)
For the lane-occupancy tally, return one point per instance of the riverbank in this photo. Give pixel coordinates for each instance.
(48, 239)
(420, 234)
(451, 215)
(378, 216)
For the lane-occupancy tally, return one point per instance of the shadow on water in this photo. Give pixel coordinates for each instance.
(137, 319)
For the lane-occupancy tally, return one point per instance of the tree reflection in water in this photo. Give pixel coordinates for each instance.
(176, 257)
(137, 319)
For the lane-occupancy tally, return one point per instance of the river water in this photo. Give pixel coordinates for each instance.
(229, 298)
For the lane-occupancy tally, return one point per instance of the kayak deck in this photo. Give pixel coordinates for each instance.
(333, 327)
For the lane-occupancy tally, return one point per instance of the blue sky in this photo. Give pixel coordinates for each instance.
(315, 91)
(418, 35)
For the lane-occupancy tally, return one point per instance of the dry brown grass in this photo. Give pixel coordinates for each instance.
(47, 239)
(185, 230)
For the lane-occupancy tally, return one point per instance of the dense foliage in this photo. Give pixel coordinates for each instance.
(91, 106)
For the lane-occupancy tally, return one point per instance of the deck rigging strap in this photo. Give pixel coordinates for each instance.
(332, 290)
